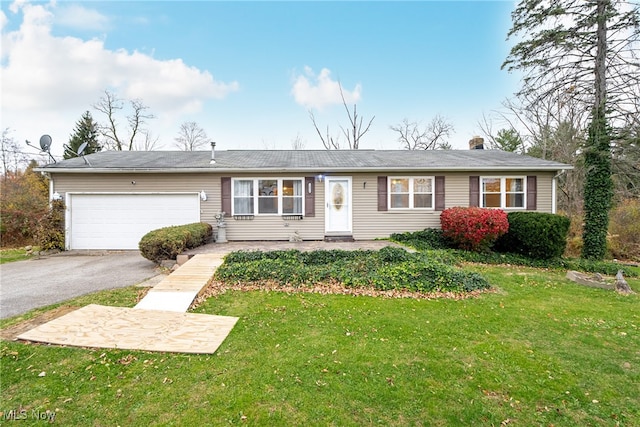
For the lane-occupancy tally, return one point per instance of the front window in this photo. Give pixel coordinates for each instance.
(501, 192)
(411, 193)
(292, 196)
(267, 196)
(243, 197)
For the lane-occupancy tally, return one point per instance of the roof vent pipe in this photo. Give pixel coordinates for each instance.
(213, 153)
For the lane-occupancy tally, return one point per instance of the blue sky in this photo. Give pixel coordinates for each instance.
(249, 72)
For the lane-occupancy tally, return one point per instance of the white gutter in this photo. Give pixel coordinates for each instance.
(315, 169)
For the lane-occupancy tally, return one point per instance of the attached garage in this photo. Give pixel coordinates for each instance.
(118, 221)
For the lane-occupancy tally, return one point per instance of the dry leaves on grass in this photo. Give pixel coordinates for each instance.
(332, 288)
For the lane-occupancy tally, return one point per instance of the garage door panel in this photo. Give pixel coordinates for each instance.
(118, 221)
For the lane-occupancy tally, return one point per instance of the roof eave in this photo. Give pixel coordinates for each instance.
(550, 168)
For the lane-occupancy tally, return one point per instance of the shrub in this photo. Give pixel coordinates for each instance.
(624, 230)
(536, 235)
(169, 242)
(50, 231)
(24, 201)
(473, 228)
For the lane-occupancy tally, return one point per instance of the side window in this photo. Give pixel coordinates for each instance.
(411, 192)
(502, 192)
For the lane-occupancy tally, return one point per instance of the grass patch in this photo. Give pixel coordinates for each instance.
(14, 254)
(540, 351)
(434, 245)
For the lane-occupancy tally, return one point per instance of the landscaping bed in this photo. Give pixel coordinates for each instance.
(389, 269)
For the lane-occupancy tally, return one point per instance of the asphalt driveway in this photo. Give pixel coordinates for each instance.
(38, 282)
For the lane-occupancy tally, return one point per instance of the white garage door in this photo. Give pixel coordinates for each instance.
(118, 221)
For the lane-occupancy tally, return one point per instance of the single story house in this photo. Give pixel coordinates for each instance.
(113, 197)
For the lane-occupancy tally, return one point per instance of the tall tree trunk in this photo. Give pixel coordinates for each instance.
(598, 187)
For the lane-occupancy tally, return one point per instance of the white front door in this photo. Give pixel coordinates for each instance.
(338, 205)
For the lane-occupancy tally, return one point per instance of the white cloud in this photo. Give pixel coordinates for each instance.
(44, 77)
(318, 91)
(3, 20)
(79, 17)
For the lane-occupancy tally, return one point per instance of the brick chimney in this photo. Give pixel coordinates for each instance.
(476, 143)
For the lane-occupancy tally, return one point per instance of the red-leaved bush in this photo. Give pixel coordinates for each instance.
(474, 229)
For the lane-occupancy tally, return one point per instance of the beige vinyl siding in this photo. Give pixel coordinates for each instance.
(258, 228)
(545, 197)
(368, 222)
(273, 227)
(145, 183)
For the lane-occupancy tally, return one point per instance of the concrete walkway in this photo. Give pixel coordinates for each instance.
(159, 322)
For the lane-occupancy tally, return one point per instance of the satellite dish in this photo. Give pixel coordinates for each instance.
(82, 147)
(45, 143)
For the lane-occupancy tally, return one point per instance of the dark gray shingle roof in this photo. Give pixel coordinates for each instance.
(302, 160)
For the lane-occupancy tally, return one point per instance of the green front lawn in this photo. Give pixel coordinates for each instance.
(14, 254)
(538, 351)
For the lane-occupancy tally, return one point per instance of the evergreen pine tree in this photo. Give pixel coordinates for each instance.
(86, 130)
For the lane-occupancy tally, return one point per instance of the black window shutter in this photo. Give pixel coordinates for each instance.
(439, 193)
(532, 190)
(225, 191)
(382, 193)
(474, 191)
(309, 196)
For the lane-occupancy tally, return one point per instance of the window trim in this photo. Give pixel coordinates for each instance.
(503, 192)
(411, 193)
(256, 195)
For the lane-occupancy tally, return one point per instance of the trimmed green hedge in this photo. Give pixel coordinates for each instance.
(168, 242)
(387, 269)
(536, 235)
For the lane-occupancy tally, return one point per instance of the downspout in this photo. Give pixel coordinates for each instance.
(51, 187)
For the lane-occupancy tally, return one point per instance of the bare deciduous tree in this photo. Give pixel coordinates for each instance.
(298, 143)
(149, 141)
(12, 156)
(434, 135)
(353, 133)
(553, 129)
(329, 142)
(110, 104)
(191, 137)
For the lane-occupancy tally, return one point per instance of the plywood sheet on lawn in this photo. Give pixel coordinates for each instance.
(117, 327)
